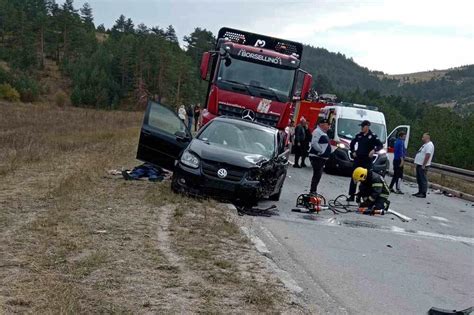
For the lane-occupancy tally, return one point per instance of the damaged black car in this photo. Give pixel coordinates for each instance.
(232, 159)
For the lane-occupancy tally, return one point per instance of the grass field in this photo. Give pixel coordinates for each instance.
(78, 240)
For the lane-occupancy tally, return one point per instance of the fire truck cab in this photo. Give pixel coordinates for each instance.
(254, 77)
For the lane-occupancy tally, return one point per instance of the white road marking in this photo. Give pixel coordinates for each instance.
(397, 229)
(402, 231)
(439, 218)
(283, 275)
(257, 242)
(269, 235)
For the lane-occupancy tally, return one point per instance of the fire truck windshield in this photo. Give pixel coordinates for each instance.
(259, 77)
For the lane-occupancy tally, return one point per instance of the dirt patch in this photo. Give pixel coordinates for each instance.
(75, 240)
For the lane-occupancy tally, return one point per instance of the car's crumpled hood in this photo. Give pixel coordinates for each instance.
(219, 154)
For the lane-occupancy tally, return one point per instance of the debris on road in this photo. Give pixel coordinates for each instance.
(254, 211)
(440, 311)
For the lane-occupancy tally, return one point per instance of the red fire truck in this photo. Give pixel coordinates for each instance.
(310, 108)
(254, 77)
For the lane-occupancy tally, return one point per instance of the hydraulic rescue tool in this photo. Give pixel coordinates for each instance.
(311, 202)
(315, 203)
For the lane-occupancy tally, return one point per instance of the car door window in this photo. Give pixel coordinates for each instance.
(165, 120)
(298, 84)
(395, 134)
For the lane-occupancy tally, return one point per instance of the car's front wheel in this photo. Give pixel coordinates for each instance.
(276, 197)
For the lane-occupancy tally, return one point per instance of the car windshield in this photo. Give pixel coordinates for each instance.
(262, 77)
(241, 138)
(349, 128)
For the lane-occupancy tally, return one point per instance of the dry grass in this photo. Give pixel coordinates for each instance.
(75, 240)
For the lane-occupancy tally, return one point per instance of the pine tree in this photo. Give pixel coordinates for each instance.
(101, 28)
(129, 27)
(142, 29)
(68, 6)
(198, 42)
(86, 15)
(170, 34)
(119, 25)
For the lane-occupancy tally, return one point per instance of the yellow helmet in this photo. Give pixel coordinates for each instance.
(360, 174)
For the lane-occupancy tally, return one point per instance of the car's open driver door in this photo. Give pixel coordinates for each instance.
(163, 136)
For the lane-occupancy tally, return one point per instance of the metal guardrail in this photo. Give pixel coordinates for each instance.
(452, 171)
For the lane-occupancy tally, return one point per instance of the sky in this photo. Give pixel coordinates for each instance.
(393, 36)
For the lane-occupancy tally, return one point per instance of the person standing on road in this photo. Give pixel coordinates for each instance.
(182, 114)
(319, 153)
(197, 113)
(398, 161)
(306, 145)
(300, 139)
(290, 132)
(190, 115)
(367, 144)
(423, 161)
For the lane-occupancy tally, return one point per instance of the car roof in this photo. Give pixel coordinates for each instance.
(244, 122)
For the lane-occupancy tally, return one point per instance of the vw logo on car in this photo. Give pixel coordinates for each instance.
(222, 173)
(248, 115)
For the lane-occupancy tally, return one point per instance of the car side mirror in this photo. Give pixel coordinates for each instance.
(308, 80)
(206, 57)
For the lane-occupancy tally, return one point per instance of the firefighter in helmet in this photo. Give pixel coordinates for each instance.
(373, 191)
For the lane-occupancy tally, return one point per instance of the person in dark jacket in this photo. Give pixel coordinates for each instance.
(319, 153)
(301, 144)
(367, 144)
(398, 161)
(190, 114)
(197, 114)
(372, 190)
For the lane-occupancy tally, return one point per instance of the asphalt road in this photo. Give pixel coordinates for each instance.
(358, 264)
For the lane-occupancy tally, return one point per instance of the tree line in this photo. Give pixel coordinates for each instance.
(450, 132)
(122, 65)
(335, 72)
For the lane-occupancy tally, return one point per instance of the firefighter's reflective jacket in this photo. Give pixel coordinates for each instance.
(375, 190)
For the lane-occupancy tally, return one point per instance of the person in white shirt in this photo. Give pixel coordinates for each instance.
(182, 113)
(423, 161)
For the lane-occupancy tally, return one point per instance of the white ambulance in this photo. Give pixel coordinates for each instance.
(345, 119)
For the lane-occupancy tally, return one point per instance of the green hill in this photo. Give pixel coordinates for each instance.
(334, 72)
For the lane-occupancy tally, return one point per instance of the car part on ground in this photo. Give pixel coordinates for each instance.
(254, 211)
(440, 311)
